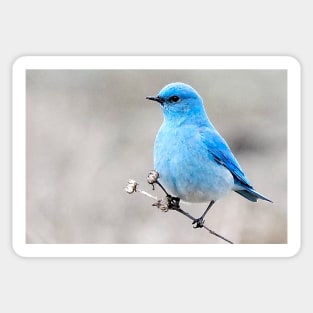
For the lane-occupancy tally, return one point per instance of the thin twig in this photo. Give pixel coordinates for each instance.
(205, 227)
(168, 203)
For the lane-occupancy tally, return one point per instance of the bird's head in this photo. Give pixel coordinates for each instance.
(179, 102)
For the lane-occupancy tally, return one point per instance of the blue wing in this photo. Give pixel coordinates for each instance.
(219, 150)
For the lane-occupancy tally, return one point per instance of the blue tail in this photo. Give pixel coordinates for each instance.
(251, 194)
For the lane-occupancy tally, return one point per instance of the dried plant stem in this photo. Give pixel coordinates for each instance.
(169, 202)
(208, 229)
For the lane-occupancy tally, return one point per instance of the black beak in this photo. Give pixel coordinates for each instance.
(157, 98)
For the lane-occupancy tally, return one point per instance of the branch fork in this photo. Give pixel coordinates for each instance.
(169, 202)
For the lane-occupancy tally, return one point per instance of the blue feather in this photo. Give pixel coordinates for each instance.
(219, 150)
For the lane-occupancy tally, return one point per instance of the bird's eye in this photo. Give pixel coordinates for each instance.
(174, 98)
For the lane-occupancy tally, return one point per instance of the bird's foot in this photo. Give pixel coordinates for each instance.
(174, 202)
(167, 203)
(198, 222)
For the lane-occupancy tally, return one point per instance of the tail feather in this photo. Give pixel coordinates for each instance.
(252, 195)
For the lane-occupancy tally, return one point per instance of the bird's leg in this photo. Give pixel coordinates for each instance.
(167, 203)
(198, 223)
(172, 202)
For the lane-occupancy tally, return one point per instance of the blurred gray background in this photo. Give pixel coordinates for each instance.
(89, 131)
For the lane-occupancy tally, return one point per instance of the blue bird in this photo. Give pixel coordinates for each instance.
(193, 160)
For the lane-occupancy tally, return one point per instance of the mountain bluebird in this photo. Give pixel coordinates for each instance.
(193, 160)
